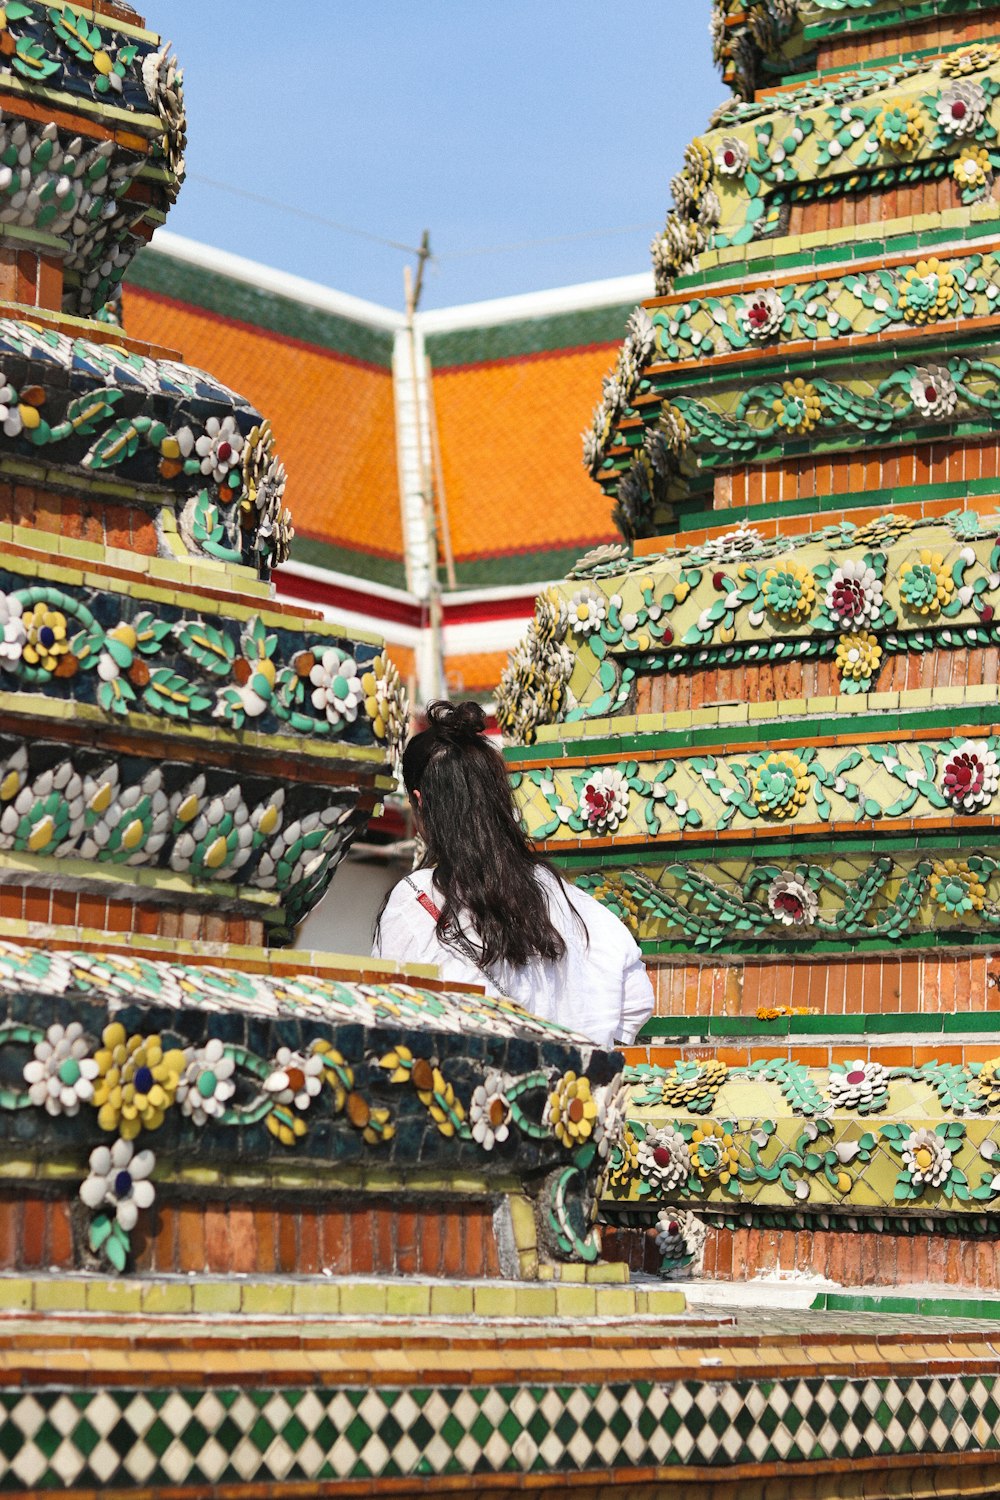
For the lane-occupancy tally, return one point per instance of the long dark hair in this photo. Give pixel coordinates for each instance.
(483, 862)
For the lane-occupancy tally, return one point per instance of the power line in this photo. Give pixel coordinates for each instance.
(303, 213)
(378, 239)
(552, 239)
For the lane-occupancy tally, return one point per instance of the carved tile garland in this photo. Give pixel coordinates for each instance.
(836, 897)
(858, 1136)
(910, 777)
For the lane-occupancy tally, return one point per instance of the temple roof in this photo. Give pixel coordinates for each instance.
(513, 383)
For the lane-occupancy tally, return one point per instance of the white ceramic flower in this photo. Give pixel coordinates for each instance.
(489, 1111)
(762, 314)
(337, 687)
(791, 901)
(858, 1084)
(932, 391)
(733, 545)
(220, 448)
(664, 1159)
(926, 1158)
(119, 1180)
(680, 1238)
(609, 1126)
(206, 1085)
(297, 1077)
(60, 1076)
(961, 109)
(732, 156)
(588, 610)
(604, 802)
(970, 775)
(10, 416)
(854, 595)
(12, 632)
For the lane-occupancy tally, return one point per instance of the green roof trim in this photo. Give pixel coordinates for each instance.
(155, 271)
(556, 333)
(389, 571)
(519, 567)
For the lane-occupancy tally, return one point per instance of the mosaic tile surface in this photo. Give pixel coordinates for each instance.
(239, 1072)
(130, 1438)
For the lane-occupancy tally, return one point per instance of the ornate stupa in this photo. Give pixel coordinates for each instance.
(249, 1195)
(761, 729)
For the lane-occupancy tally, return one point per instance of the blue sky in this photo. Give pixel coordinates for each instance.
(488, 122)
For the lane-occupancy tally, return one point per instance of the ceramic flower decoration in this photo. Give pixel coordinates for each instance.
(61, 1074)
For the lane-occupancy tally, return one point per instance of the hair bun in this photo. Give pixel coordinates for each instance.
(456, 722)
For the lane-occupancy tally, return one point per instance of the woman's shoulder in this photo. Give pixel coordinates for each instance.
(600, 922)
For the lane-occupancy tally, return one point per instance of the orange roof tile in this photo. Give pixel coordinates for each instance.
(510, 442)
(333, 417)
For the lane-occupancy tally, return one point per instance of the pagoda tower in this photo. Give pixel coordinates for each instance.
(763, 729)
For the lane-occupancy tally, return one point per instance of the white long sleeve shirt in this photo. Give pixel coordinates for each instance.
(599, 987)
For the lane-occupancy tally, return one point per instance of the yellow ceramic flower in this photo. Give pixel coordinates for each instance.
(789, 591)
(780, 785)
(136, 1081)
(46, 630)
(572, 1110)
(971, 167)
(927, 291)
(442, 1105)
(859, 655)
(900, 126)
(680, 1088)
(926, 585)
(988, 1082)
(968, 60)
(287, 1126)
(385, 700)
(712, 1153)
(624, 1162)
(955, 888)
(799, 406)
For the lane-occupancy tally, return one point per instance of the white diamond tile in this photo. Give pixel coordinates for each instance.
(342, 1457)
(437, 1409)
(894, 1435)
(682, 1445)
(707, 1443)
(406, 1454)
(246, 1458)
(276, 1411)
(279, 1458)
(467, 1452)
(607, 1446)
(579, 1404)
(497, 1450)
(524, 1451)
(375, 1453)
(372, 1410)
(493, 1407)
(140, 1461)
(140, 1415)
(176, 1461)
(310, 1410)
(580, 1449)
(551, 1450)
(176, 1413)
(782, 1441)
(29, 1464)
(210, 1411)
(405, 1410)
(68, 1461)
(212, 1459)
(825, 1398)
(63, 1415)
(551, 1407)
(28, 1415)
(340, 1411)
(437, 1453)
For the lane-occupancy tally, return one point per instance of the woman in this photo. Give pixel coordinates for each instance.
(487, 909)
